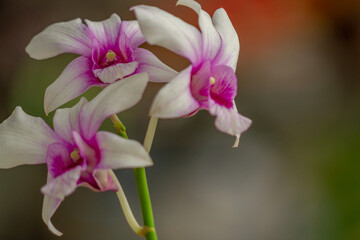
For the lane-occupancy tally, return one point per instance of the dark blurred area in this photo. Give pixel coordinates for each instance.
(296, 173)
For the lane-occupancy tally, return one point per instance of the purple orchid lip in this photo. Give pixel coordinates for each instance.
(211, 83)
(109, 52)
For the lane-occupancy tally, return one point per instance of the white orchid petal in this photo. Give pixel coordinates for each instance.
(58, 38)
(118, 152)
(63, 185)
(211, 38)
(133, 32)
(115, 98)
(163, 29)
(228, 120)
(107, 31)
(76, 78)
(49, 207)
(175, 99)
(24, 139)
(229, 52)
(66, 120)
(118, 71)
(191, 4)
(149, 63)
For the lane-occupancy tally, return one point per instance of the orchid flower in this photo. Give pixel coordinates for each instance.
(109, 52)
(75, 152)
(210, 82)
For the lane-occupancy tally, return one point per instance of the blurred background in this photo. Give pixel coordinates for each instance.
(296, 173)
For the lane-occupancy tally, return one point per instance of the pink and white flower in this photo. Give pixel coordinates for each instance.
(210, 82)
(75, 152)
(109, 52)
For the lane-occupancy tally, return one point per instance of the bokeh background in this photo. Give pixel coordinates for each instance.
(296, 173)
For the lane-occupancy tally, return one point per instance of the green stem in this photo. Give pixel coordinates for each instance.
(141, 182)
(142, 186)
(145, 202)
(142, 231)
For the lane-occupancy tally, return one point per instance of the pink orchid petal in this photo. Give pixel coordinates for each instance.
(210, 36)
(224, 89)
(229, 51)
(115, 72)
(73, 81)
(132, 31)
(104, 180)
(58, 38)
(175, 98)
(118, 152)
(49, 207)
(163, 29)
(88, 180)
(115, 98)
(107, 31)
(24, 139)
(228, 120)
(63, 185)
(149, 63)
(66, 120)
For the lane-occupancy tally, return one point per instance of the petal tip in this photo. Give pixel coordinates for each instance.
(47, 108)
(191, 4)
(237, 140)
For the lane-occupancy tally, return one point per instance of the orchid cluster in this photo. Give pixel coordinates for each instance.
(75, 152)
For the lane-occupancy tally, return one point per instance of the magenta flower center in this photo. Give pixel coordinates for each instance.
(61, 159)
(221, 93)
(217, 83)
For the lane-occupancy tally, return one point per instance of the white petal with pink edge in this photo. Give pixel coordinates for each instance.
(107, 31)
(149, 63)
(115, 98)
(229, 51)
(175, 99)
(211, 38)
(24, 139)
(76, 78)
(64, 37)
(115, 72)
(163, 29)
(118, 152)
